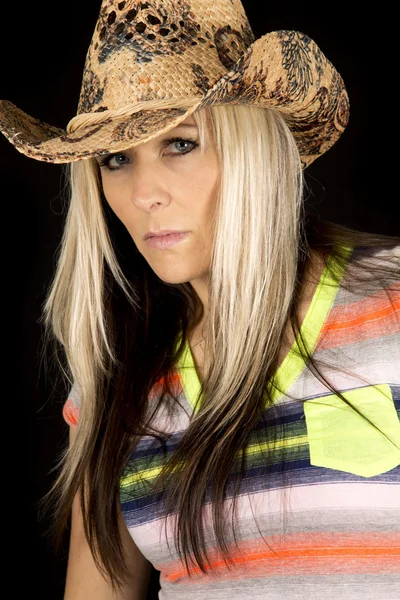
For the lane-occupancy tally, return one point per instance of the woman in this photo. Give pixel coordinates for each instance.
(234, 385)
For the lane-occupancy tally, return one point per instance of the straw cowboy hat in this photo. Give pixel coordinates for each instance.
(174, 49)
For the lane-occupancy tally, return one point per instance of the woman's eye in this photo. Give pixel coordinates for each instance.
(182, 144)
(112, 162)
(115, 162)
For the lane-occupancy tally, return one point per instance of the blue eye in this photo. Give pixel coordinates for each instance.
(118, 164)
(180, 141)
(106, 162)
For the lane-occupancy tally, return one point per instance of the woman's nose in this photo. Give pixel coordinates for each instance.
(148, 187)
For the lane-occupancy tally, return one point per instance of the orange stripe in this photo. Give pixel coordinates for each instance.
(70, 412)
(173, 378)
(365, 318)
(302, 553)
(373, 318)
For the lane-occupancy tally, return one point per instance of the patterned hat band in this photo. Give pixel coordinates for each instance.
(177, 50)
(83, 120)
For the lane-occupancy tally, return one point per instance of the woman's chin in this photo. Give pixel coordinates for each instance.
(173, 275)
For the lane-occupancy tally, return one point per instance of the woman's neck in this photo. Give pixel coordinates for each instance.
(311, 277)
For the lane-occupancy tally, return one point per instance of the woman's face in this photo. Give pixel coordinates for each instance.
(163, 184)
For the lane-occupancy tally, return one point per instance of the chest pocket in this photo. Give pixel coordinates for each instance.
(339, 438)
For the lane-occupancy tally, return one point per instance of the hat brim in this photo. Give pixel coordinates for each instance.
(283, 70)
(41, 141)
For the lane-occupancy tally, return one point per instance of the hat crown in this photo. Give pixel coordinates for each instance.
(201, 53)
(161, 49)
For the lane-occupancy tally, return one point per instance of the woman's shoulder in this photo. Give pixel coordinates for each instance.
(381, 264)
(368, 301)
(361, 332)
(373, 268)
(381, 253)
(365, 287)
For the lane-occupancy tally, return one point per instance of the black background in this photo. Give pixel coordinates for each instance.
(43, 47)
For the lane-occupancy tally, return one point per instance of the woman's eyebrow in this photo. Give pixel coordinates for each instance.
(175, 130)
(181, 125)
(192, 126)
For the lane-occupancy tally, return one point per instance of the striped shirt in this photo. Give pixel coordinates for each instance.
(330, 526)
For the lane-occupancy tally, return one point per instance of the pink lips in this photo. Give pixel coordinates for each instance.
(166, 241)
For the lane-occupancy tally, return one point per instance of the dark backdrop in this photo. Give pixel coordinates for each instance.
(43, 47)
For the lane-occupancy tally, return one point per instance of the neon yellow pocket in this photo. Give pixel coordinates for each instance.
(339, 438)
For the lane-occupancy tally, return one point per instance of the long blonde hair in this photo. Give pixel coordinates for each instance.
(102, 299)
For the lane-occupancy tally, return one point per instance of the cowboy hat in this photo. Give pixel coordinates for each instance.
(175, 49)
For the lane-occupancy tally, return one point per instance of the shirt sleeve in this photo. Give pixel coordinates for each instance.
(70, 409)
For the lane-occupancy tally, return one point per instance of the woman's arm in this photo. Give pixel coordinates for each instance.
(84, 582)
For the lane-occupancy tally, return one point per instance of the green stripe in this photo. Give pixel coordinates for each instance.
(292, 365)
(322, 301)
(190, 382)
(136, 485)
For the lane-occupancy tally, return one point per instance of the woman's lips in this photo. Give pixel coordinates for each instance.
(166, 241)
